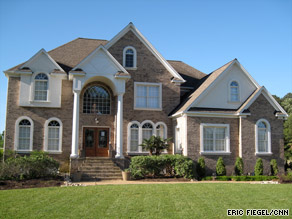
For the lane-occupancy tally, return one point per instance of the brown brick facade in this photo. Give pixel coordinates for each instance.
(262, 109)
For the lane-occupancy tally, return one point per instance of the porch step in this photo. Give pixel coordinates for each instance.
(99, 168)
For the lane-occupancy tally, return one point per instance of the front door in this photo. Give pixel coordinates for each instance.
(96, 142)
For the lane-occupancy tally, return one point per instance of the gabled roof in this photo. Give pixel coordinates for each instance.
(268, 96)
(131, 27)
(106, 52)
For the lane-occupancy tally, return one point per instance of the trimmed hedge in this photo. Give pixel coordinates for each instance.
(36, 166)
(161, 166)
(241, 178)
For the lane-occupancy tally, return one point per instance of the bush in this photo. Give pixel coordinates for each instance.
(274, 167)
(37, 165)
(201, 168)
(259, 167)
(220, 167)
(238, 168)
(163, 165)
(1, 154)
(242, 178)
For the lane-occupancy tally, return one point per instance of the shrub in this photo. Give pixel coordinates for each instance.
(259, 167)
(37, 165)
(242, 178)
(163, 165)
(220, 167)
(201, 167)
(274, 167)
(1, 154)
(238, 168)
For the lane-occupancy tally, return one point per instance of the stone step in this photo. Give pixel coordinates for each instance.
(100, 178)
(100, 166)
(94, 175)
(99, 169)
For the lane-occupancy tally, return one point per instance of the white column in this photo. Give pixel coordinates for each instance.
(119, 147)
(75, 125)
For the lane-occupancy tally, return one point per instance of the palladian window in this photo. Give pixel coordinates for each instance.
(96, 100)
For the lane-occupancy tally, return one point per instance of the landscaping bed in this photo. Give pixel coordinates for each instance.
(32, 183)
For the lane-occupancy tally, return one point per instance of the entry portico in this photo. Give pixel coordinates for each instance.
(99, 67)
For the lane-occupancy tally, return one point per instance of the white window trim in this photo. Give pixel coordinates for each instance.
(16, 137)
(269, 138)
(227, 138)
(140, 140)
(135, 58)
(229, 92)
(46, 138)
(32, 89)
(148, 84)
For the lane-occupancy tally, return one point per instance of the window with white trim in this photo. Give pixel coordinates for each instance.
(147, 95)
(41, 87)
(53, 135)
(129, 57)
(263, 137)
(215, 138)
(234, 91)
(137, 132)
(23, 134)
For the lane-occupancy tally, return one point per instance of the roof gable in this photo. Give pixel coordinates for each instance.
(131, 27)
(100, 61)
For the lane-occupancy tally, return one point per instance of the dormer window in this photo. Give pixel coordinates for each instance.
(129, 57)
(234, 91)
(41, 87)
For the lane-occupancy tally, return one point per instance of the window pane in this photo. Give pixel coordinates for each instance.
(141, 102)
(141, 91)
(24, 138)
(147, 96)
(53, 138)
(153, 102)
(153, 91)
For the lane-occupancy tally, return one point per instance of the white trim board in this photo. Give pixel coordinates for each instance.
(131, 27)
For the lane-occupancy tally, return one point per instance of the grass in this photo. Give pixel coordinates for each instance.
(206, 200)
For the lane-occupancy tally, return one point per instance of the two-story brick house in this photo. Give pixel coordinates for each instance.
(98, 98)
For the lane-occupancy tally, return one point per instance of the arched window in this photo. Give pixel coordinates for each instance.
(53, 135)
(96, 99)
(161, 130)
(41, 87)
(147, 131)
(234, 91)
(129, 57)
(263, 137)
(134, 137)
(23, 134)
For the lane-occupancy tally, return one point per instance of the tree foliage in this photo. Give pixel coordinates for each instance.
(286, 103)
(155, 144)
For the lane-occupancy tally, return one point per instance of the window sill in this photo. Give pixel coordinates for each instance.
(214, 153)
(53, 152)
(39, 101)
(130, 68)
(263, 153)
(151, 109)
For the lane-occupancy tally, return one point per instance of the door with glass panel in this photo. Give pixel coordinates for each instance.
(96, 142)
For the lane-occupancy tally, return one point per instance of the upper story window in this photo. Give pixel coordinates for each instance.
(23, 134)
(130, 57)
(53, 135)
(234, 91)
(41, 87)
(215, 138)
(263, 137)
(96, 100)
(148, 96)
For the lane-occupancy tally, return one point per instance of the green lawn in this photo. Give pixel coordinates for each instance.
(143, 201)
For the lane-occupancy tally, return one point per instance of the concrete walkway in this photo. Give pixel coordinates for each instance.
(139, 182)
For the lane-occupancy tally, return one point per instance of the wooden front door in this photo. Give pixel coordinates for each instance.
(96, 142)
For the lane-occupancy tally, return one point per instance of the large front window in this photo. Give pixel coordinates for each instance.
(147, 95)
(41, 87)
(96, 100)
(215, 138)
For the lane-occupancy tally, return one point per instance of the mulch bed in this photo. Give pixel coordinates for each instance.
(33, 183)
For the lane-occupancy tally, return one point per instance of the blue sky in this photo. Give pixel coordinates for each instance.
(204, 34)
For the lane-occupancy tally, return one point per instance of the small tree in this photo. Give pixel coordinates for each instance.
(200, 168)
(238, 168)
(274, 167)
(155, 144)
(220, 167)
(259, 167)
